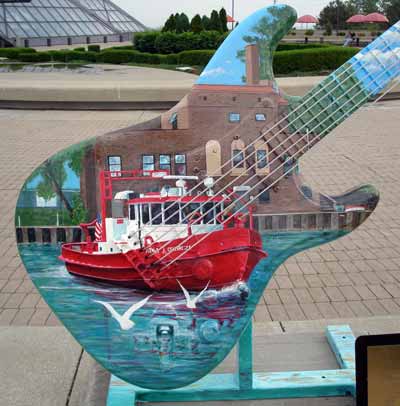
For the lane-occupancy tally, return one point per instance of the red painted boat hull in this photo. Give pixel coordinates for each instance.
(224, 257)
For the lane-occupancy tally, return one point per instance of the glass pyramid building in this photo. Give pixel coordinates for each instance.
(65, 22)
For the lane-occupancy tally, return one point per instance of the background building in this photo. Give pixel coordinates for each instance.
(64, 22)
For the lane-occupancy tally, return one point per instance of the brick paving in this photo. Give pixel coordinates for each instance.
(356, 276)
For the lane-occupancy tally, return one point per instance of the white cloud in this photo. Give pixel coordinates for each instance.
(213, 72)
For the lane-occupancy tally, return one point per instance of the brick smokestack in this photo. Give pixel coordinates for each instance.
(253, 64)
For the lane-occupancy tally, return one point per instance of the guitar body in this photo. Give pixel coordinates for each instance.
(234, 102)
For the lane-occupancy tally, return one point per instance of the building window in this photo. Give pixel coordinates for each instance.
(262, 160)
(238, 158)
(264, 196)
(165, 162)
(148, 162)
(261, 117)
(174, 121)
(234, 117)
(180, 164)
(114, 165)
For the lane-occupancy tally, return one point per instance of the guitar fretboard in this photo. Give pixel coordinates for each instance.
(348, 88)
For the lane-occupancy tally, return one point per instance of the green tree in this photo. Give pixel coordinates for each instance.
(336, 13)
(266, 34)
(206, 23)
(53, 175)
(391, 9)
(215, 21)
(224, 20)
(170, 24)
(184, 22)
(196, 24)
(179, 24)
(370, 6)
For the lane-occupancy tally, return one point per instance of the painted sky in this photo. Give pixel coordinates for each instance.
(379, 63)
(225, 68)
(153, 13)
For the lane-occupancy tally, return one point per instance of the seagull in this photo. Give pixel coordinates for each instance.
(124, 320)
(191, 303)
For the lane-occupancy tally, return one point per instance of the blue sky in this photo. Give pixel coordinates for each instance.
(225, 68)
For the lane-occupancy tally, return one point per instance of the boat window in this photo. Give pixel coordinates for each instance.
(171, 213)
(156, 210)
(219, 207)
(145, 213)
(189, 212)
(209, 213)
(132, 214)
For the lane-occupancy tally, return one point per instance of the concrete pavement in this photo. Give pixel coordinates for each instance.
(137, 87)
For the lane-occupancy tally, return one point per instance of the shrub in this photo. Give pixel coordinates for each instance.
(171, 42)
(129, 47)
(166, 43)
(93, 48)
(309, 33)
(295, 47)
(12, 53)
(81, 56)
(34, 57)
(126, 56)
(171, 59)
(145, 41)
(67, 56)
(312, 60)
(341, 34)
(199, 57)
(80, 49)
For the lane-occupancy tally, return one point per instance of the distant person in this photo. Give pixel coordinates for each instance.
(348, 40)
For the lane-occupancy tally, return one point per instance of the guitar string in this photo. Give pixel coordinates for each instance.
(239, 210)
(255, 164)
(375, 43)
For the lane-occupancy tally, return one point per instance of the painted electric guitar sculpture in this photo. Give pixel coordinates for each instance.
(197, 208)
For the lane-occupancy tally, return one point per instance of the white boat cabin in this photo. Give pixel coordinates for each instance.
(162, 216)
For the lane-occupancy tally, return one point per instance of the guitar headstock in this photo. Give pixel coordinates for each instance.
(263, 29)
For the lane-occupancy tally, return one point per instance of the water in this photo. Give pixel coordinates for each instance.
(169, 345)
(50, 68)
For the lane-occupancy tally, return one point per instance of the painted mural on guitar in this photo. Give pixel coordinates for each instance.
(176, 225)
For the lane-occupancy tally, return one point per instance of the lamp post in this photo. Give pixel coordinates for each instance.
(233, 13)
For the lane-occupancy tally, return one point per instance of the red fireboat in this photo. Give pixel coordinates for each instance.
(157, 241)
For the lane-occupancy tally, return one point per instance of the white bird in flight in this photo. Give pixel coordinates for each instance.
(124, 320)
(191, 303)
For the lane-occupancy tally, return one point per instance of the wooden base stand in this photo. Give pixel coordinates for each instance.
(246, 385)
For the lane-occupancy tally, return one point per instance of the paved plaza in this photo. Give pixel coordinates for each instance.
(356, 276)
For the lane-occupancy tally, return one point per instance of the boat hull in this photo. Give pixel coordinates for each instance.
(224, 257)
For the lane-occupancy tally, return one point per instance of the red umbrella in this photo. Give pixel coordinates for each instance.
(376, 18)
(358, 18)
(230, 19)
(307, 19)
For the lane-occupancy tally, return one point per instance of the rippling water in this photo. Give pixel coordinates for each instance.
(169, 345)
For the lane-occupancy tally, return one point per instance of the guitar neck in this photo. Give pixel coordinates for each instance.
(347, 89)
